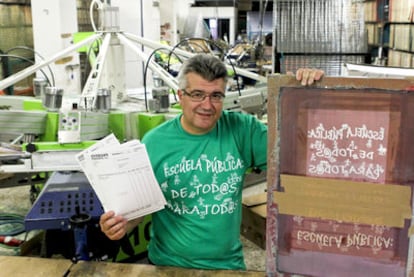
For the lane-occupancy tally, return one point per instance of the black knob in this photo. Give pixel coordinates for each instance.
(30, 147)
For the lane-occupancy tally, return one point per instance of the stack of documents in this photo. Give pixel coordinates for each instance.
(122, 177)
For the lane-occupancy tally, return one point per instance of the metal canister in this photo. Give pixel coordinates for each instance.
(103, 100)
(39, 87)
(52, 100)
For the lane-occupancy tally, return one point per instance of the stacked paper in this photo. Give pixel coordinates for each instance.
(122, 177)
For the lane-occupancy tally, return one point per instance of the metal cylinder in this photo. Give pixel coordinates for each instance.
(80, 223)
(158, 82)
(39, 87)
(161, 101)
(52, 100)
(103, 100)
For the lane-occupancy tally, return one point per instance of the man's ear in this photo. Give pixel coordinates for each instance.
(180, 94)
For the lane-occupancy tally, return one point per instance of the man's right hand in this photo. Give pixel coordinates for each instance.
(113, 226)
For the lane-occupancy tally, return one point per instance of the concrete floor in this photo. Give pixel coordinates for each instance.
(17, 200)
(254, 256)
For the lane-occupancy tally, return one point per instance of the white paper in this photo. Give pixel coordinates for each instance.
(122, 177)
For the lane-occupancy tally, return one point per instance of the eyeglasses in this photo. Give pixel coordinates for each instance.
(199, 96)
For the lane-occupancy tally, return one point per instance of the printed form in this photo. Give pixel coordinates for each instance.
(122, 177)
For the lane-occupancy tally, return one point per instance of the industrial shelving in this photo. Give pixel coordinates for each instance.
(390, 29)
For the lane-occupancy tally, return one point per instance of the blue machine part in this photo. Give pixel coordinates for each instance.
(64, 194)
(81, 243)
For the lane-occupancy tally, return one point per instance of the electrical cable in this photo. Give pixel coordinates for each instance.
(11, 224)
(201, 47)
(100, 5)
(235, 74)
(177, 45)
(36, 53)
(27, 60)
(223, 56)
(88, 54)
(4, 68)
(145, 73)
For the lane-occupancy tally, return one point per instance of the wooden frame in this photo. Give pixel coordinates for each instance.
(340, 177)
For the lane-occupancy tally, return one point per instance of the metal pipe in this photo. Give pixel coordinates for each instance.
(32, 69)
(187, 54)
(165, 76)
(91, 86)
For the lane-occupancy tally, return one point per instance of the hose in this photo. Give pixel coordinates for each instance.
(11, 224)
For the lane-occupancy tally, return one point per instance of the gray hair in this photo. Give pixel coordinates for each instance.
(207, 66)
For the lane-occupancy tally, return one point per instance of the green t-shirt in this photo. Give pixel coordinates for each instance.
(201, 177)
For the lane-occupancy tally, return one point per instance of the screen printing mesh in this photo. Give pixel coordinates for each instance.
(319, 33)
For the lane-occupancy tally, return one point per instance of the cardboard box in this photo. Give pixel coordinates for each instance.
(254, 219)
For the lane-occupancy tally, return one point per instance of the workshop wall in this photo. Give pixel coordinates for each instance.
(16, 31)
(15, 24)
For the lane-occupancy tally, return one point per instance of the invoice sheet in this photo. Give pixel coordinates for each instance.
(122, 178)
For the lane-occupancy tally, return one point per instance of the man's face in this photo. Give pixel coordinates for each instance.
(200, 117)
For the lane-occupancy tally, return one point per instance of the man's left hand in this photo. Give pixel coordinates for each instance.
(307, 76)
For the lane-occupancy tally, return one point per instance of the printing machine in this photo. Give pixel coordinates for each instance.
(54, 126)
(51, 129)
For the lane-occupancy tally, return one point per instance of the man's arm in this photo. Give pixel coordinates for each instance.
(133, 223)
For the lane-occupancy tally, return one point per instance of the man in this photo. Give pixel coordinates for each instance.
(200, 159)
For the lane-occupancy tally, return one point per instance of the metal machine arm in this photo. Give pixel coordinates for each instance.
(5, 83)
